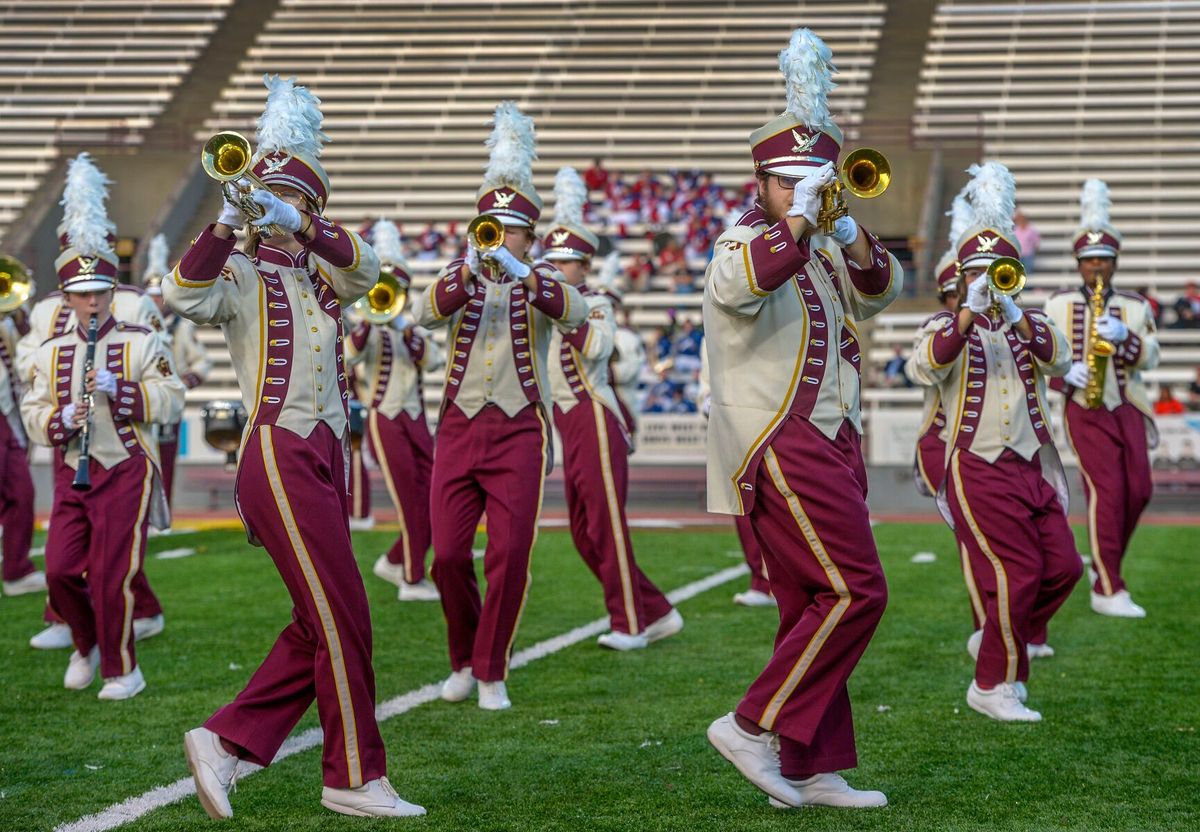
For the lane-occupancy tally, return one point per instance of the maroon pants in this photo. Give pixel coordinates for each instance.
(1114, 460)
(167, 453)
(145, 602)
(596, 479)
(810, 517)
(1022, 552)
(759, 580)
(360, 486)
(403, 447)
(100, 533)
(16, 506)
(496, 463)
(291, 493)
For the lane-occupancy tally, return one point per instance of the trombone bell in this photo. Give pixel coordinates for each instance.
(866, 173)
(15, 284)
(226, 156)
(1006, 276)
(485, 234)
(384, 302)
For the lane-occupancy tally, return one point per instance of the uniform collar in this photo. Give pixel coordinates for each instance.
(105, 328)
(279, 257)
(1087, 293)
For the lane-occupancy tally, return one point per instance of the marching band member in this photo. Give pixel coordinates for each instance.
(781, 305)
(391, 358)
(361, 518)
(1112, 434)
(280, 306)
(53, 316)
(1004, 488)
(493, 440)
(629, 350)
(20, 576)
(192, 363)
(97, 537)
(595, 441)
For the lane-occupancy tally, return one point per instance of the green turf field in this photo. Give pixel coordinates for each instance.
(598, 740)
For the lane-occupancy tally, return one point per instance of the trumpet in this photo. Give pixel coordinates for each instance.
(383, 302)
(226, 157)
(485, 234)
(15, 284)
(1005, 276)
(865, 173)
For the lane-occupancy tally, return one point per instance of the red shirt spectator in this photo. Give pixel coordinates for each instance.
(1167, 404)
(596, 177)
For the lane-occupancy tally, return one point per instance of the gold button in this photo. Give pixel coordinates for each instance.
(1005, 421)
(1003, 389)
(319, 370)
(1005, 406)
(487, 378)
(304, 294)
(489, 362)
(320, 388)
(320, 407)
(317, 348)
(308, 312)
(314, 329)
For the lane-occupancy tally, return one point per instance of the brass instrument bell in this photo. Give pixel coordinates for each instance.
(227, 158)
(865, 173)
(16, 285)
(1006, 276)
(383, 302)
(485, 234)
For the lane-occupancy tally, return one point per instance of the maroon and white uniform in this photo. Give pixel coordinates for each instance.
(493, 447)
(784, 449)
(596, 449)
(390, 363)
(16, 483)
(282, 318)
(97, 538)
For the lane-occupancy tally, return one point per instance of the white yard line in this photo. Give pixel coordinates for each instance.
(175, 554)
(129, 810)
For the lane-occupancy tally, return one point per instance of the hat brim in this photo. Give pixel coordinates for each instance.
(792, 170)
(97, 285)
(1095, 251)
(511, 221)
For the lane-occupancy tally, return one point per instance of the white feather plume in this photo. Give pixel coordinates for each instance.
(993, 194)
(807, 67)
(570, 195)
(156, 257)
(1094, 205)
(385, 239)
(609, 274)
(291, 121)
(962, 217)
(84, 213)
(513, 148)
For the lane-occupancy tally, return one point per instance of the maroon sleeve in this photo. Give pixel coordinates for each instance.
(1130, 350)
(129, 403)
(1042, 343)
(946, 345)
(775, 257)
(578, 337)
(202, 263)
(358, 336)
(190, 380)
(415, 345)
(549, 298)
(57, 431)
(331, 242)
(875, 278)
(1057, 384)
(451, 291)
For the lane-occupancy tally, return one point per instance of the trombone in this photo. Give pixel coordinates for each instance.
(865, 173)
(15, 284)
(383, 302)
(226, 157)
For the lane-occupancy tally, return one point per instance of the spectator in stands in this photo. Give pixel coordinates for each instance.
(1185, 315)
(893, 371)
(1192, 294)
(596, 177)
(1028, 239)
(639, 272)
(430, 243)
(1167, 404)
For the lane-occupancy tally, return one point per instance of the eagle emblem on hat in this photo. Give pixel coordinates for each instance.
(559, 237)
(1094, 237)
(275, 164)
(87, 265)
(986, 244)
(505, 198)
(804, 143)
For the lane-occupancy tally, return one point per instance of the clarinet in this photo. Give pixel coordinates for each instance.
(83, 479)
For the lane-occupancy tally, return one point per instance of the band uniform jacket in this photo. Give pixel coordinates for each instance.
(781, 338)
(390, 368)
(148, 393)
(579, 360)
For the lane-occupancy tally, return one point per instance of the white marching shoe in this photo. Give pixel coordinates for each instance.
(754, 598)
(756, 757)
(148, 627)
(1039, 651)
(362, 524)
(33, 582)
(458, 685)
(420, 591)
(622, 641)
(376, 799)
(493, 696)
(1117, 605)
(1002, 703)
(831, 789)
(213, 768)
(665, 627)
(54, 637)
(81, 670)
(973, 642)
(384, 569)
(123, 687)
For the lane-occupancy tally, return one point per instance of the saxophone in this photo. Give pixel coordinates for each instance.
(1099, 352)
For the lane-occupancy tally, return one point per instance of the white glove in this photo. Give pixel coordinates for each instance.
(106, 382)
(275, 212)
(978, 296)
(472, 261)
(514, 267)
(231, 215)
(1111, 329)
(1077, 376)
(1009, 310)
(68, 415)
(806, 199)
(845, 231)
(400, 323)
